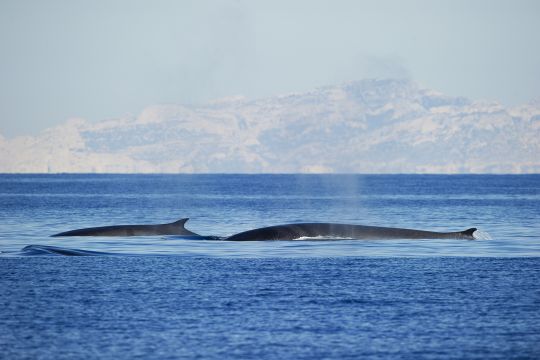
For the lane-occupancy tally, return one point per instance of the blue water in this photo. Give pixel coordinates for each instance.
(174, 297)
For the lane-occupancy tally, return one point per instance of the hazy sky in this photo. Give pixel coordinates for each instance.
(101, 59)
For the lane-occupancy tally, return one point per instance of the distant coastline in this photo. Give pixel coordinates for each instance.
(369, 127)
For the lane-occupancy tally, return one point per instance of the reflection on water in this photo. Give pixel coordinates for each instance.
(264, 249)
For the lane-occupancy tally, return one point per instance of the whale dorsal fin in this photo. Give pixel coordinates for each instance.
(469, 232)
(180, 222)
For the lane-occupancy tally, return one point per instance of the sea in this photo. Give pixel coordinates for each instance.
(178, 297)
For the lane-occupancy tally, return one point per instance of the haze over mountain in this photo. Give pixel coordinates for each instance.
(369, 126)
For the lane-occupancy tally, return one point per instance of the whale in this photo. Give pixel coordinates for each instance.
(35, 250)
(276, 232)
(343, 231)
(174, 228)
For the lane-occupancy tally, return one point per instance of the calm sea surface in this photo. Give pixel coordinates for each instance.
(174, 297)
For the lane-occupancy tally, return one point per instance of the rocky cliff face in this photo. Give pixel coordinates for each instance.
(370, 126)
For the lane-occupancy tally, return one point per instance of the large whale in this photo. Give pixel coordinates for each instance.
(174, 228)
(343, 231)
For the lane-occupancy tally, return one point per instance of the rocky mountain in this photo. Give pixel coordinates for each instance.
(369, 126)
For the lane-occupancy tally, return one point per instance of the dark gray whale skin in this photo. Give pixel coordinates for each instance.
(174, 228)
(33, 250)
(360, 232)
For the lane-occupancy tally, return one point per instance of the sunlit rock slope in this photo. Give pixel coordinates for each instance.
(370, 126)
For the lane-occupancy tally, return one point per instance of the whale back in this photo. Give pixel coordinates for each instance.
(343, 231)
(174, 228)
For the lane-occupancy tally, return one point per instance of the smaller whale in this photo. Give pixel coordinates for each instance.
(174, 228)
(35, 250)
(359, 232)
